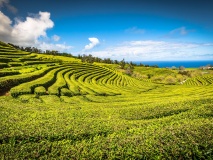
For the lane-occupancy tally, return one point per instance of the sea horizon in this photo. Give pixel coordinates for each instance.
(178, 63)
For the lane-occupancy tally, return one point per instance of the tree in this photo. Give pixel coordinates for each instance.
(122, 63)
(141, 64)
(83, 58)
(129, 69)
(155, 66)
(90, 59)
(181, 68)
(173, 67)
(170, 80)
(132, 64)
(149, 75)
(79, 56)
(116, 61)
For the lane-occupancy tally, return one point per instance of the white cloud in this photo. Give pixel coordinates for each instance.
(55, 38)
(27, 32)
(5, 27)
(7, 5)
(31, 32)
(154, 50)
(135, 30)
(94, 42)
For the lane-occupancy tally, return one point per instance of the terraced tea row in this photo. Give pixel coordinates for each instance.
(59, 83)
(28, 88)
(74, 79)
(8, 82)
(10, 57)
(199, 81)
(8, 73)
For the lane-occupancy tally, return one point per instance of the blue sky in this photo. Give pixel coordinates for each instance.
(137, 30)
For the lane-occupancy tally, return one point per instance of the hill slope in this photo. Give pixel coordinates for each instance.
(60, 108)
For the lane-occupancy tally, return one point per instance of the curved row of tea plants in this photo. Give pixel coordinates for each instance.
(28, 87)
(201, 80)
(80, 79)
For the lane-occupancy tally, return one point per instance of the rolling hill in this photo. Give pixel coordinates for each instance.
(55, 107)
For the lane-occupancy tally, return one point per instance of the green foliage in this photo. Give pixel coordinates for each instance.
(60, 83)
(66, 92)
(8, 73)
(28, 59)
(3, 65)
(5, 60)
(37, 62)
(10, 81)
(170, 80)
(122, 64)
(156, 75)
(200, 80)
(93, 111)
(168, 76)
(27, 88)
(40, 91)
(5, 45)
(168, 126)
(13, 64)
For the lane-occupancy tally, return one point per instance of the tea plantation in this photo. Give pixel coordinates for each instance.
(55, 107)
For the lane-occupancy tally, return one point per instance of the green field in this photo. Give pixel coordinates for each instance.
(55, 107)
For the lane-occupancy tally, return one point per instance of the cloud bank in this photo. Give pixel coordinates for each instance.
(156, 50)
(27, 32)
(30, 31)
(94, 42)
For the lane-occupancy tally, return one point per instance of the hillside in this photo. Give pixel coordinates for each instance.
(55, 107)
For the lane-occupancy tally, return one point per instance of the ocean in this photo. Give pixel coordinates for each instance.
(186, 64)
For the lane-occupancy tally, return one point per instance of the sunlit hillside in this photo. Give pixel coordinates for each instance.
(55, 107)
